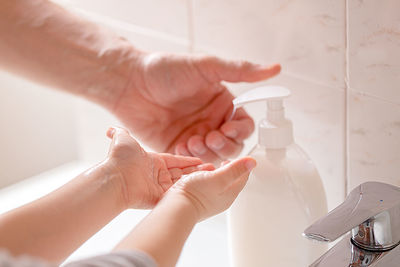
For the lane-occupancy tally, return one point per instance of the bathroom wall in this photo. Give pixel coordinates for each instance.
(341, 59)
(38, 129)
(373, 91)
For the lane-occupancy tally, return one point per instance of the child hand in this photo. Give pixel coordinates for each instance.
(145, 176)
(211, 192)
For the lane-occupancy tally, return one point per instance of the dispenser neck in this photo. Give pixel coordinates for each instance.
(275, 110)
(275, 132)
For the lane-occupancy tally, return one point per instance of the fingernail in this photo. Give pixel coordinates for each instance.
(231, 133)
(250, 164)
(218, 143)
(199, 149)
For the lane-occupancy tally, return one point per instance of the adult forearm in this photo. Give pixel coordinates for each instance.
(164, 231)
(55, 225)
(45, 43)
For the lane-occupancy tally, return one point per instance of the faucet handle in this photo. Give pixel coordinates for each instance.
(371, 211)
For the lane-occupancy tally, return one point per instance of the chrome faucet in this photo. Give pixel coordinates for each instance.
(372, 213)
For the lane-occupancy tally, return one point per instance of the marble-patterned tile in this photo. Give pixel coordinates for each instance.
(306, 37)
(374, 140)
(374, 48)
(318, 116)
(169, 17)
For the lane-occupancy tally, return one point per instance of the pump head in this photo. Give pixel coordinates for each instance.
(275, 131)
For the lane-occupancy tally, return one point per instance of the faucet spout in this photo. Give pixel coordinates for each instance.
(372, 213)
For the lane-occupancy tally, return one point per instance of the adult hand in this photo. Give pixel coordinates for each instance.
(144, 176)
(176, 103)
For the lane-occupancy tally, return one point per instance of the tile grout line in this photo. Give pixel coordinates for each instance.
(341, 87)
(346, 100)
(315, 82)
(375, 97)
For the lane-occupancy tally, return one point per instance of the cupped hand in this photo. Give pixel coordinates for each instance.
(212, 192)
(145, 176)
(177, 104)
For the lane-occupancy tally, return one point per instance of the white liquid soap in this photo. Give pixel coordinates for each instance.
(284, 194)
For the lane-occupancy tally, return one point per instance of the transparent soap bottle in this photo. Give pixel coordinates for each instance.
(284, 194)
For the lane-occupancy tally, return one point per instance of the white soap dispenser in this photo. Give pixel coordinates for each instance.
(284, 194)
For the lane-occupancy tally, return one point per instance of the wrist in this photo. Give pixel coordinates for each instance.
(184, 203)
(112, 183)
(119, 68)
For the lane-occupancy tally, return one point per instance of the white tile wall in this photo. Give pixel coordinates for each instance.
(374, 140)
(374, 48)
(307, 36)
(170, 17)
(374, 93)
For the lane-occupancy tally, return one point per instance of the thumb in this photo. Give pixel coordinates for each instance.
(218, 69)
(120, 135)
(229, 173)
(116, 132)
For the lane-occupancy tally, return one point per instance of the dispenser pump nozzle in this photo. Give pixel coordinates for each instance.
(275, 131)
(275, 110)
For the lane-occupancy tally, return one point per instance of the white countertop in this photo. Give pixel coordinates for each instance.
(206, 246)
